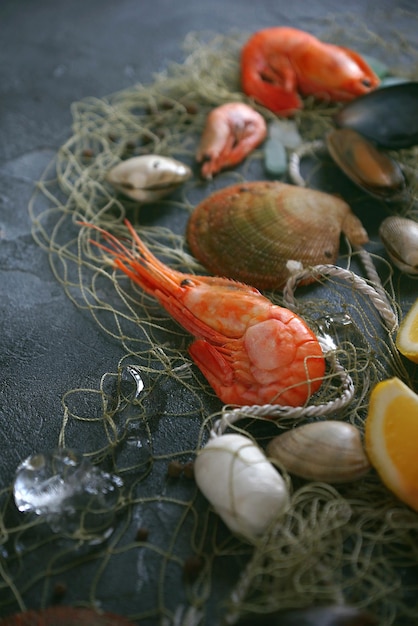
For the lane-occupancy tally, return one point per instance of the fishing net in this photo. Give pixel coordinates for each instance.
(156, 551)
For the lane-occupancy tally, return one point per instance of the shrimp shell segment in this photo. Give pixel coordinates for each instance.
(249, 231)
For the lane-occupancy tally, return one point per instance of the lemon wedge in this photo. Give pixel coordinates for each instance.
(391, 438)
(407, 337)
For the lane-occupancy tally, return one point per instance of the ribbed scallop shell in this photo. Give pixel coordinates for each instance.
(328, 451)
(400, 238)
(248, 231)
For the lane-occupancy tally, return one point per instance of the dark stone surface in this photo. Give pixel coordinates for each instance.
(53, 53)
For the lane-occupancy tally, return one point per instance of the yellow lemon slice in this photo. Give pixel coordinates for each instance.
(407, 337)
(391, 438)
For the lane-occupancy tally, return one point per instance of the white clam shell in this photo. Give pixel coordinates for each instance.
(400, 238)
(245, 489)
(328, 451)
(149, 177)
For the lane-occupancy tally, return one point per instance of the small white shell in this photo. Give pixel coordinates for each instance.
(400, 238)
(149, 177)
(328, 451)
(245, 489)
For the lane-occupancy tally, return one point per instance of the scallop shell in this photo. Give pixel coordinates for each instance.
(248, 231)
(400, 238)
(328, 451)
(149, 177)
(369, 168)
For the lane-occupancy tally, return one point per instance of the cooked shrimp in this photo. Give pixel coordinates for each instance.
(250, 350)
(231, 132)
(277, 63)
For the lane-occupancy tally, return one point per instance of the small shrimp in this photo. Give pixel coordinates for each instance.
(231, 132)
(250, 350)
(279, 62)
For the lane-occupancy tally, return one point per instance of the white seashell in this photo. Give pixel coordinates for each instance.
(149, 177)
(245, 489)
(400, 238)
(328, 451)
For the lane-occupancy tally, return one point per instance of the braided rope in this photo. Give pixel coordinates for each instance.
(376, 294)
(389, 314)
(306, 149)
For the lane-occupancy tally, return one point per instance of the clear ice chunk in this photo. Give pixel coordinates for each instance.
(69, 492)
(135, 373)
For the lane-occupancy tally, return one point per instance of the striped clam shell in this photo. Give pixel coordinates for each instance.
(330, 451)
(400, 238)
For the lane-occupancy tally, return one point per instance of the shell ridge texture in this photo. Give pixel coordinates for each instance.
(248, 232)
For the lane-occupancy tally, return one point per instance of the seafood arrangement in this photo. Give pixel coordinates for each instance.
(262, 360)
(250, 236)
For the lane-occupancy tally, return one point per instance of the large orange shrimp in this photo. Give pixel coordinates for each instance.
(279, 62)
(231, 132)
(250, 350)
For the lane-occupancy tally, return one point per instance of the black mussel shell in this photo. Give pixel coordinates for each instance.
(314, 616)
(387, 116)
